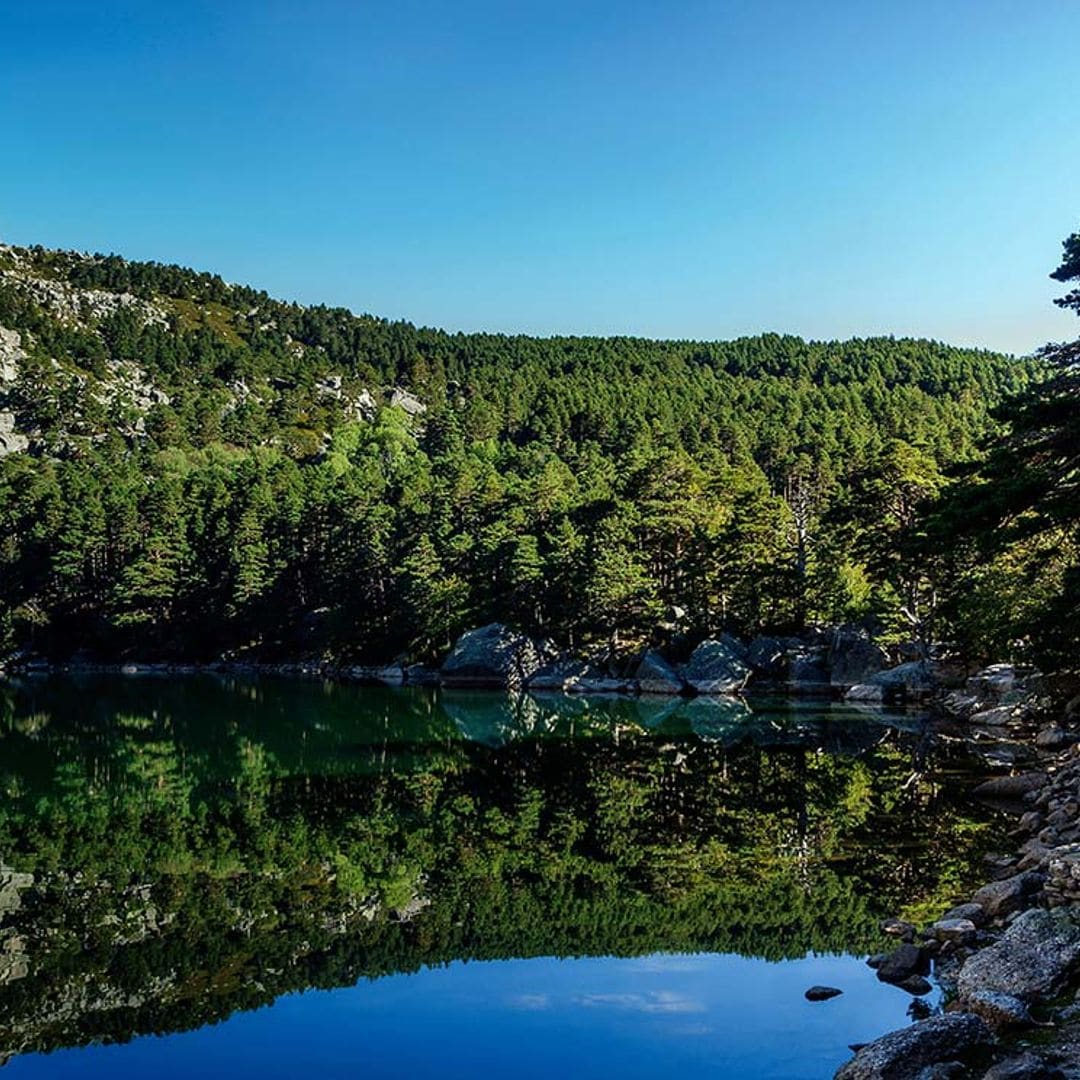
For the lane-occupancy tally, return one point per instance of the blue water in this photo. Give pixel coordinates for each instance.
(688, 1016)
(224, 878)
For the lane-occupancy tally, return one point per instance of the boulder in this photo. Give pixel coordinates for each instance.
(1026, 1066)
(975, 913)
(656, 676)
(1031, 961)
(807, 669)
(766, 655)
(997, 1009)
(903, 962)
(717, 667)
(901, 683)
(1011, 787)
(992, 683)
(903, 1054)
(995, 717)
(494, 656)
(1055, 738)
(958, 930)
(998, 898)
(853, 659)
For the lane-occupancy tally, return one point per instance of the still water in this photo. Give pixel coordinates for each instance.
(227, 877)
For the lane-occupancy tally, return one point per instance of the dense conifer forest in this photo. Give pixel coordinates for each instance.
(193, 469)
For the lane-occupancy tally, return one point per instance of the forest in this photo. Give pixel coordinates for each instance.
(195, 470)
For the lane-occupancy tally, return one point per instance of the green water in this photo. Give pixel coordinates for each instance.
(201, 847)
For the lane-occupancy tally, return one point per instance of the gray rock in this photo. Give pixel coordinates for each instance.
(807, 669)
(1011, 787)
(822, 993)
(656, 676)
(997, 1009)
(1055, 738)
(495, 656)
(903, 962)
(1032, 960)
(959, 930)
(915, 984)
(998, 898)
(853, 659)
(998, 716)
(975, 913)
(992, 682)
(903, 1054)
(717, 667)
(408, 403)
(767, 656)
(905, 682)
(1026, 1066)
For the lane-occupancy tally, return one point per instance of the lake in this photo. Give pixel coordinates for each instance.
(229, 877)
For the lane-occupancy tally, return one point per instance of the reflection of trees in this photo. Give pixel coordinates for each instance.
(241, 844)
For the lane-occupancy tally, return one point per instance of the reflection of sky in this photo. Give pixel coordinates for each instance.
(686, 1016)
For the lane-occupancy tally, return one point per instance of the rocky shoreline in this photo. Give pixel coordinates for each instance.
(1008, 959)
(829, 661)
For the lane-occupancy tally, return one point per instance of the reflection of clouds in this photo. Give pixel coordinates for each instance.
(692, 1030)
(530, 1002)
(661, 1001)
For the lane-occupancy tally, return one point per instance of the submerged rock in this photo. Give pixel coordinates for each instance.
(903, 1054)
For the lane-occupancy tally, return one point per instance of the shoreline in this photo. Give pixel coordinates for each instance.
(1007, 957)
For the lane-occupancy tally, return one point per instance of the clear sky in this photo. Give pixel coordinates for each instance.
(675, 169)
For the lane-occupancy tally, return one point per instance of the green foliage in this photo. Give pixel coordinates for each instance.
(1012, 522)
(583, 488)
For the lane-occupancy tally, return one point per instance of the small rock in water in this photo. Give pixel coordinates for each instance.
(902, 962)
(822, 993)
(915, 984)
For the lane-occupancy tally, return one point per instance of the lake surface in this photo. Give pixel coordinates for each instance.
(226, 877)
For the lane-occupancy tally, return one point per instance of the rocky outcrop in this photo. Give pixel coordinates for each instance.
(408, 403)
(904, 1054)
(717, 667)
(492, 656)
(655, 675)
(12, 441)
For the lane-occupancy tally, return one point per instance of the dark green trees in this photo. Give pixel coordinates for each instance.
(1017, 582)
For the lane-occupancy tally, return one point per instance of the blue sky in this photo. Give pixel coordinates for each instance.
(668, 169)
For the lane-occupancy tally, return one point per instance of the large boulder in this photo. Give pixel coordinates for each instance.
(768, 656)
(492, 656)
(1032, 960)
(655, 675)
(853, 659)
(998, 898)
(717, 667)
(905, 682)
(903, 1054)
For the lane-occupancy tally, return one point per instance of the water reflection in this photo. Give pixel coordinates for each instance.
(172, 851)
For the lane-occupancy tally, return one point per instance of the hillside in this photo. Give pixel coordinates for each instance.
(189, 467)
